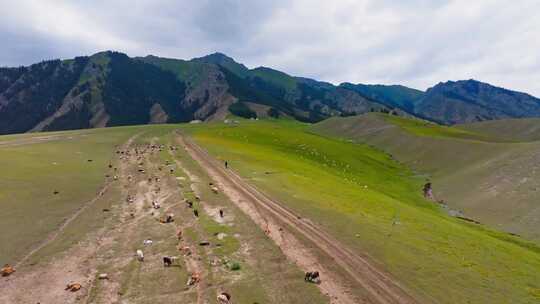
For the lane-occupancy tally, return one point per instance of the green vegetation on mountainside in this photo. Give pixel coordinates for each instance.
(274, 77)
(224, 61)
(390, 95)
(374, 204)
(185, 71)
(242, 110)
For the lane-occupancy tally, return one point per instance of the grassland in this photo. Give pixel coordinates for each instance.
(263, 268)
(241, 259)
(374, 204)
(36, 165)
(492, 179)
(424, 128)
(361, 195)
(512, 130)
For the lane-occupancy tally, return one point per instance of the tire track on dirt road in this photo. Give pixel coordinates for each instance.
(380, 286)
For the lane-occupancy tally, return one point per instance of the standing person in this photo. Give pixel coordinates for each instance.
(226, 165)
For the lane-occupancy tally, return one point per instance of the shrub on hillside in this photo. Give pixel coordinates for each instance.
(234, 266)
(242, 110)
(273, 113)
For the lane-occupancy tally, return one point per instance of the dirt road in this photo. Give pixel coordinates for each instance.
(272, 216)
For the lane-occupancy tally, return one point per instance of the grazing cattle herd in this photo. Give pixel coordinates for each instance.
(168, 260)
(166, 218)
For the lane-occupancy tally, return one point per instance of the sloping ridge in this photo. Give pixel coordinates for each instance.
(512, 130)
(491, 179)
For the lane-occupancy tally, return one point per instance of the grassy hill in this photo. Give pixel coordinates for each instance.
(479, 169)
(517, 130)
(374, 204)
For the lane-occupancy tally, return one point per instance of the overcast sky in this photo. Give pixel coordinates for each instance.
(417, 43)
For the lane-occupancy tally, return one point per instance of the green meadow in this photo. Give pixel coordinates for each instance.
(424, 128)
(374, 204)
(33, 168)
(490, 175)
(355, 191)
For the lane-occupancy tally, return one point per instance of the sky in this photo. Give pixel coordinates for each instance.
(416, 43)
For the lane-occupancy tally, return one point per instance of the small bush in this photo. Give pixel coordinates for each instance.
(234, 266)
(272, 112)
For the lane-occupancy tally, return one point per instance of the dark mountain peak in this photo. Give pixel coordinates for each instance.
(464, 82)
(219, 56)
(107, 53)
(104, 57)
(151, 57)
(263, 69)
(225, 62)
(397, 86)
(471, 86)
(314, 83)
(215, 58)
(464, 101)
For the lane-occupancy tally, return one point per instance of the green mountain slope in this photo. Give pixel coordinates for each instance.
(391, 95)
(374, 204)
(224, 61)
(491, 179)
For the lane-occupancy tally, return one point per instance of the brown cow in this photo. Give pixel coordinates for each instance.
(169, 218)
(73, 287)
(193, 279)
(7, 270)
(185, 250)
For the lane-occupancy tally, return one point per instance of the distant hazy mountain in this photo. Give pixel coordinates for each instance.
(470, 100)
(111, 89)
(454, 102)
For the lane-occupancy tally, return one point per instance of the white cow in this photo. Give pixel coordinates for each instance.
(140, 255)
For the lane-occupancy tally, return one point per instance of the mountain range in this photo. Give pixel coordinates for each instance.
(111, 89)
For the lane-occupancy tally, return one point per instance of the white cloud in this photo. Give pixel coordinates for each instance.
(412, 42)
